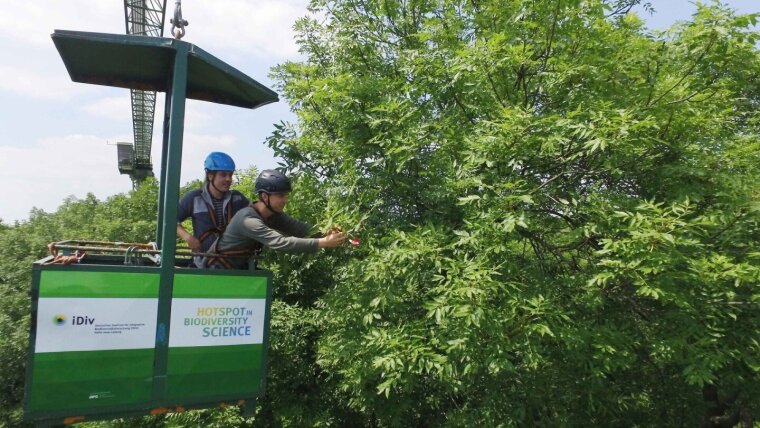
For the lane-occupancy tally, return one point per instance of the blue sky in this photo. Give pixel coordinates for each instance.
(58, 136)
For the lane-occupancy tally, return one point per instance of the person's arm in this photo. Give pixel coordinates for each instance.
(184, 211)
(191, 240)
(332, 239)
(291, 226)
(274, 239)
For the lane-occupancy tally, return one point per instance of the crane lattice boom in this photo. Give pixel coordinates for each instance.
(143, 18)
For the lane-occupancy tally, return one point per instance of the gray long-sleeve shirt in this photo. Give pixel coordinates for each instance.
(280, 232)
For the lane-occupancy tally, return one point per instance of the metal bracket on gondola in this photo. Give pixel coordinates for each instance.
(134, 253)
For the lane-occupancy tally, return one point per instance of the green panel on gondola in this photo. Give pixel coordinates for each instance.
(216, 344)
(75, 381)
(94, 334)
(94, 340)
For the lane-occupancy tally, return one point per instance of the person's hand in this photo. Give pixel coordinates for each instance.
(332, 240)
(194, 244)
(334, 229)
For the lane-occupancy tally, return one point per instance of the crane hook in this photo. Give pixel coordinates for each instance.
(178, 24)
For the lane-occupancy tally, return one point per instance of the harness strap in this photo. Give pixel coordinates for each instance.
(220, 256)
(216, 230)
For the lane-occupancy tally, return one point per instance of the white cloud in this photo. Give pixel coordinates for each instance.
(113, 108)
(88, 161)
(32, 67)
(32, 22)
(26, 82)
(263, 28)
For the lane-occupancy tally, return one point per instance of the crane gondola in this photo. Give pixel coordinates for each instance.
(131, 331)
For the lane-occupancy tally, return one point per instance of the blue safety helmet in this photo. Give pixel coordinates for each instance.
(218, 161)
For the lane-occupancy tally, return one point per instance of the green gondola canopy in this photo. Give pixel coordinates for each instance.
(146, 63)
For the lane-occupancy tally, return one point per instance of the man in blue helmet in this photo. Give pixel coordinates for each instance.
(264, 224)
(211, 207)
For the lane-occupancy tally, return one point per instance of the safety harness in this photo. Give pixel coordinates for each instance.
(217, 231)
(220, 258)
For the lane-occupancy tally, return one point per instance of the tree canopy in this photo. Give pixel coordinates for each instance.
(559, 210)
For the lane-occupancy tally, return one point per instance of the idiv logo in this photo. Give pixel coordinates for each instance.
(60, 319)
(77, 320)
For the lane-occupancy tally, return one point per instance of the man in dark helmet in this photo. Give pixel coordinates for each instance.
(211, 207)
(264, 224)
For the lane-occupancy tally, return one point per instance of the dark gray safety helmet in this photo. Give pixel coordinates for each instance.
(272, 181)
